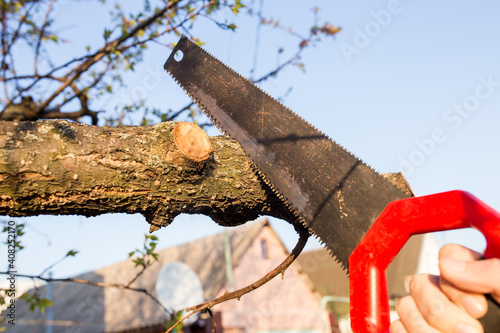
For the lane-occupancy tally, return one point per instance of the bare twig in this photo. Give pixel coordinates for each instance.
(177, 113)
(290, 61)
(108, 48)
(52, 266)
(280, 269)
(40, 37)
(96, 284)
(212, 318)
(145, 262)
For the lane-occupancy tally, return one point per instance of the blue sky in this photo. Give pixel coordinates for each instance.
(410, 86)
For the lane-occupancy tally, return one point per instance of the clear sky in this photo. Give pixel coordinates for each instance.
(410, 86)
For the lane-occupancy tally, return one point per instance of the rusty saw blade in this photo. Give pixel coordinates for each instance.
(333, 192)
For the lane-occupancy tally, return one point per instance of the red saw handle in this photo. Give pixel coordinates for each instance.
(399, 220)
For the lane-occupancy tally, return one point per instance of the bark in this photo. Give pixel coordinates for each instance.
(62, 168)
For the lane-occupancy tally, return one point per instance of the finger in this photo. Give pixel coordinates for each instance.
(476, 277)
(411, 318)
(459, 252)
(474, 303)
(436, 307)
(397, 327)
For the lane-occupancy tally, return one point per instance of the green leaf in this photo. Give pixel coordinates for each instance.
(43, 303)
(138, 262)
(237, 6)
(232, 26)
(199, 42)
(71, 253)
(213, 6)
(130, 254)
(174, 319)
(19, 229)
(107, 33)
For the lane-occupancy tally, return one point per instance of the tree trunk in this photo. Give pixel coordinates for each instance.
(57, 167)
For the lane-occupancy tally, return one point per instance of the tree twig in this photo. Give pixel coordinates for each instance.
(212, 318)
(40, 37)
(52, 266)
(76, 72)
(95, 284)
(280, 269)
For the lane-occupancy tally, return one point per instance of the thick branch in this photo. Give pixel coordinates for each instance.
(56, 167)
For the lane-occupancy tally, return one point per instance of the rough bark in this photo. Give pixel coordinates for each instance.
(62, 168)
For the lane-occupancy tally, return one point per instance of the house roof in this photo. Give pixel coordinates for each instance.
(95, 309)
(329, 278)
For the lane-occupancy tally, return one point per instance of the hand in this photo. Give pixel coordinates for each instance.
(453, 301)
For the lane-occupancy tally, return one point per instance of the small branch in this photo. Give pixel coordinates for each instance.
(84, 110)
(71, 115)
(145, 261)
(257, 40)
(42, 33)
(290, 61)
(51, 266)
(137, 275)
(95, 284)
(37, 78)
(76, 72)
(177, 113)
(279, 68)
(280, 269)
(212, 318)
(7, 45)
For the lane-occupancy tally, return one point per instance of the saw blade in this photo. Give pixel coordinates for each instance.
(335, 194)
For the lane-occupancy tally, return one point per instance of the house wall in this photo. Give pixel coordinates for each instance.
(282, 305)
(429, 256)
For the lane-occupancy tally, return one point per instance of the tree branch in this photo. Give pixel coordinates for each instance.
(56, 167)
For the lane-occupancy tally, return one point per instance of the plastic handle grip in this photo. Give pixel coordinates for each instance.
(400, 219)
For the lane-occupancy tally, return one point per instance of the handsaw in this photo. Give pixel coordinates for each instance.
(361, 217)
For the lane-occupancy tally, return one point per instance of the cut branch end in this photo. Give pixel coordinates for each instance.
(192, 141)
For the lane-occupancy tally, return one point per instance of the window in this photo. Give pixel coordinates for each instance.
(263, 245)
